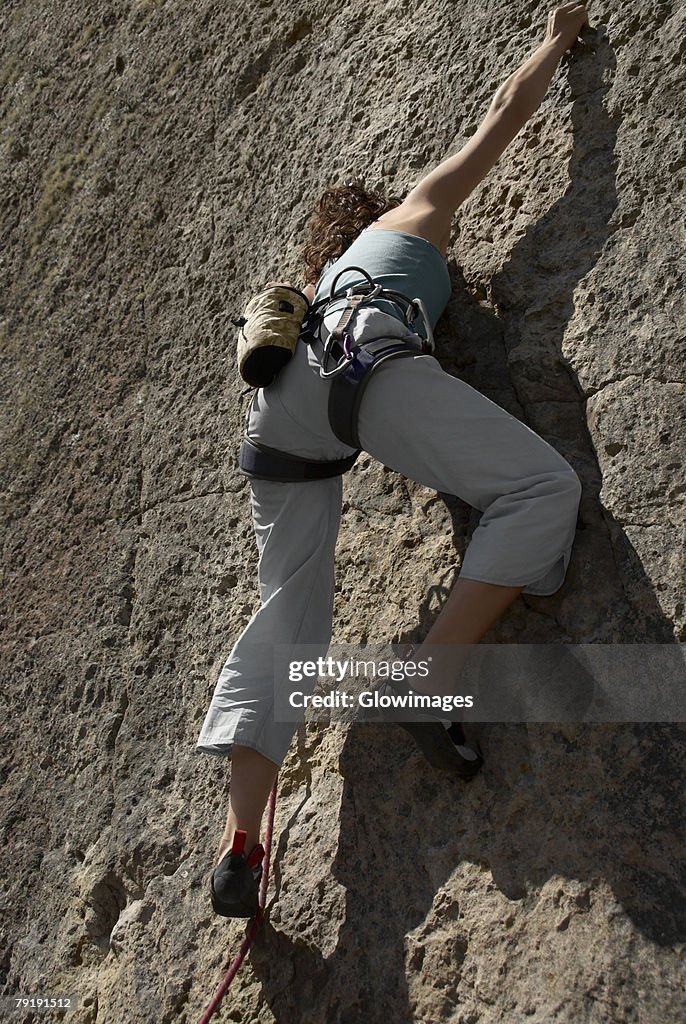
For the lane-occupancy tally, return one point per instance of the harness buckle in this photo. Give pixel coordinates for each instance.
(365, 296)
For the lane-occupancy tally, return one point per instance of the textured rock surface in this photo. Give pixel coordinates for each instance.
(158, 163)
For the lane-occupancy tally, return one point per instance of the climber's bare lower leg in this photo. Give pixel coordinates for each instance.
(470, 611)
(252, 777)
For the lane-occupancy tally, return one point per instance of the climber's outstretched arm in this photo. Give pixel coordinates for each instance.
(440, 192)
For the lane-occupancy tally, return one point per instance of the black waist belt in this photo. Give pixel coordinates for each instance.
(262, 463)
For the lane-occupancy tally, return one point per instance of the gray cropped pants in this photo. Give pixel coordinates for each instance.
(428, 426)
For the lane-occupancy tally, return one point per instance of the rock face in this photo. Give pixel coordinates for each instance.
(159, 161)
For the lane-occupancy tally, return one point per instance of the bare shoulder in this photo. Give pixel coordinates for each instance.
(417, 220)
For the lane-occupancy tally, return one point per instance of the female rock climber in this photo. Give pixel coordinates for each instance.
(414, 418)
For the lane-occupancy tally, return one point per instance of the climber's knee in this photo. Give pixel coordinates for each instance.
(569, 488)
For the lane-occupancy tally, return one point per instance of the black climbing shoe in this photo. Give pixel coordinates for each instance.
(443, 745)
(235, 882)
(445, 749)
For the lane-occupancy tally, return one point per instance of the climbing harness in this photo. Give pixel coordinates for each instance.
(255, 922)
(340, 343)
(269, 331)
(354, 365)
(356, 361)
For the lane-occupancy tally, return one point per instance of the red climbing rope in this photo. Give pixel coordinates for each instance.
(255, 922)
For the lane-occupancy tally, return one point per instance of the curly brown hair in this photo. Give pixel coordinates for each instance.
(339, 216)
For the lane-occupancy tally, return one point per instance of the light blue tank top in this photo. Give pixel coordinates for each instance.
(395, 259)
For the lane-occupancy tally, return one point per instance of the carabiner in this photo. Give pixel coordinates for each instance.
(377, 289)
(430, 343)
